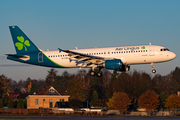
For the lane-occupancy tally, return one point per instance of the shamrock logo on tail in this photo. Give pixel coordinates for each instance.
(22, 43)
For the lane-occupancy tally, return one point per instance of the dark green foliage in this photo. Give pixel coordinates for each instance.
(50, 77)
(60, 83)
(162, 97)
(25, 103)
(94, 99)
(10, 104)
(96, 84)
(1, 103)
(76, 89)
(176, 74)
(33, 88)
(111, 87)
(20, 103)
(15, 104)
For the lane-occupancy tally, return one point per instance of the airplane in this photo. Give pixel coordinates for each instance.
(113, 58)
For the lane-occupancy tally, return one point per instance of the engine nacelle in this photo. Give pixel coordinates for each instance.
(116, 64)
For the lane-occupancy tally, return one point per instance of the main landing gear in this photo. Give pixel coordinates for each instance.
(98, 74)
(153, 70)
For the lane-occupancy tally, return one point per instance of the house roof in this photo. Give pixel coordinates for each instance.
(48, 91)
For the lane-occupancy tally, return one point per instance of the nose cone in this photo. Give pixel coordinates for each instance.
(172, 55)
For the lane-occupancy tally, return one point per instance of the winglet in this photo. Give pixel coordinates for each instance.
(60, 50)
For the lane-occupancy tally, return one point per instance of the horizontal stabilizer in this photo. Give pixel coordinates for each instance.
(18, 56)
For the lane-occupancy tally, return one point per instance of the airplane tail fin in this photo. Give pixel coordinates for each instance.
(22, 43)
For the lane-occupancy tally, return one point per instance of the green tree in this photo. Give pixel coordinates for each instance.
(111, 83)
(10, 104)
(176, 74)
(76, 89)
(25, 103)
(1, 103)
(61, 82)
(162, 97)
(94, 99)
(20, 103)
(50, 77)
(109, 103)
(96, 84)
(33, 88)
(15, 104)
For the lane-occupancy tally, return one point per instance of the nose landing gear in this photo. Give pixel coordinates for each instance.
(153, 70)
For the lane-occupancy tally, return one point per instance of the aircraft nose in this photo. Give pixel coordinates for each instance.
(173, 55)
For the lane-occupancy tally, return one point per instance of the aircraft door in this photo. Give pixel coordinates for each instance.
(151, 50)
(40, 57)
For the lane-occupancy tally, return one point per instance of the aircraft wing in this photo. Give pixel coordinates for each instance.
(84, 60)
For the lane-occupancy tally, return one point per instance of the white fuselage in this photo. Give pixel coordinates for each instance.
(141, 54)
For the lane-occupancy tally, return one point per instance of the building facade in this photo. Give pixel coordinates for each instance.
(47, 98)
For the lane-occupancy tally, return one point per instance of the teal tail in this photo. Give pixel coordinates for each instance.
(22, 43)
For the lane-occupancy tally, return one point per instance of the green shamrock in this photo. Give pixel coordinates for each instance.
(143, 47)
(22, 43)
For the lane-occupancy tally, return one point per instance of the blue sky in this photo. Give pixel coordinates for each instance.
(67, 24)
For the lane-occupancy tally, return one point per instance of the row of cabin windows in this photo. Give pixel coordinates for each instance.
(103, 53)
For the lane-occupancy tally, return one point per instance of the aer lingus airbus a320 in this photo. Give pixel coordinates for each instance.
(114, 58)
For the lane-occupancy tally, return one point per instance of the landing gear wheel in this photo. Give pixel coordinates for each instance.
(153, 71)
(99, 74)
(92, 73)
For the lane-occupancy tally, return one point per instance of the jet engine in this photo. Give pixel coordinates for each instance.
(116, 64)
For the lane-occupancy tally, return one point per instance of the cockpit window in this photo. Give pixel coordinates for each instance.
(164, 49)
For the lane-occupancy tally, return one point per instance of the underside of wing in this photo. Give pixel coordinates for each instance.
(84, 60)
